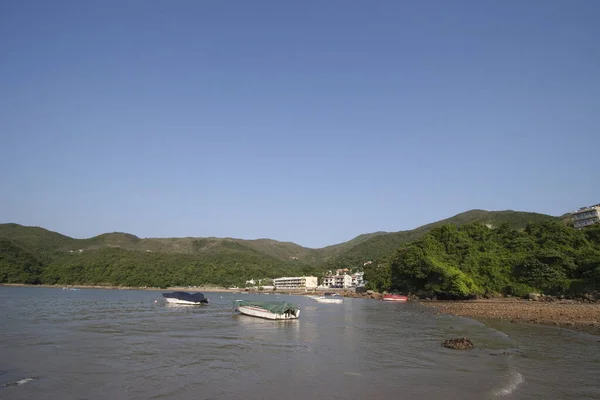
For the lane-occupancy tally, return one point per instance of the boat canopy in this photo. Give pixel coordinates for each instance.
(276, 307)
(193, 297)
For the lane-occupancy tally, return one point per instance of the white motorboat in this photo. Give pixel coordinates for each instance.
(332, 298)
(185, 298)
(267, 309)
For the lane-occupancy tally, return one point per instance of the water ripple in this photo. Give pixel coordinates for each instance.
(130, 345)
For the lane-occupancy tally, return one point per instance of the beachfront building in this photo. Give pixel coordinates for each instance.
(337, 281)
(298, 282)
(343, 279)
(586, 216)
(358, 279)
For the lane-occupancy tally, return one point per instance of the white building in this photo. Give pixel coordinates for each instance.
(300, 282)
(586, 216)
(337, 281)
(341, 279)
(358, 279)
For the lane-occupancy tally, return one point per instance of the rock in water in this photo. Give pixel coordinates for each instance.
(18, 383)
(458, 344)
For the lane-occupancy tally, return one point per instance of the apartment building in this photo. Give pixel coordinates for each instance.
(297, 282)
(586, 216)
(337, 281)
(341, 279)
(358, 279)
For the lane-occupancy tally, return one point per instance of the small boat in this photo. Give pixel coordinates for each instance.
(267, 309)
(333, 298)
(394, 297)
(185, 298)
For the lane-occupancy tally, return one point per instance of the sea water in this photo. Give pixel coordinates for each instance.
(128, 344)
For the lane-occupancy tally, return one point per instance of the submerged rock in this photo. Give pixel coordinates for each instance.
(458, 344)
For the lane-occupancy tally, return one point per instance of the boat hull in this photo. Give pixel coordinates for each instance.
(185, 298)
(395, 297)
(262, 313)
(172, 300)
(329, 300)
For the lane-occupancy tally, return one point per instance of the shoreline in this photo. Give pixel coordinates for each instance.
(295, 292)
(112, 287)
(567, 314)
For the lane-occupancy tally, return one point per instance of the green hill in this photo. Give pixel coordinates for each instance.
(378, 247)
(33, 237)
(370, 246)
(18, 265)
(123, 258)
(547, 257)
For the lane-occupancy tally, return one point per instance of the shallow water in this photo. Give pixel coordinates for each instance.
(126, 344)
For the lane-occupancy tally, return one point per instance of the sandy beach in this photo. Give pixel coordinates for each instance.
(564, 313)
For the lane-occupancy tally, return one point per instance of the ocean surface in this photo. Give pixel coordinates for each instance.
(128, 344)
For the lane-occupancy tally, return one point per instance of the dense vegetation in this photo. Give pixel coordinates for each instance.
(17, 265)
(130, 268)
(379, 246)
(474, 259)
(473, 253)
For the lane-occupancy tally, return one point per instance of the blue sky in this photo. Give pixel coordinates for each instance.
(310, 122)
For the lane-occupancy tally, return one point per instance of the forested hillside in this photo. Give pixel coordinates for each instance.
(474, 259)
(481, 261)
(378, 247)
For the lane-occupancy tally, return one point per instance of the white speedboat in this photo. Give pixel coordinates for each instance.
(185, 298)
(267, 309)
(331, 298)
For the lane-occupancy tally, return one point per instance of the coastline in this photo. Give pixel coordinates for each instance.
(111, 287)
(568, 314)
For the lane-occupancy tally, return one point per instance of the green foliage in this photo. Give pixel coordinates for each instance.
(473, 253)
(36, 255)
(379, 277)
(381, 245)
(18, 265)
(592, 233)
(111, 266)
(474, 259)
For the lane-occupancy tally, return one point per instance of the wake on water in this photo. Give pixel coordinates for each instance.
(515, 379)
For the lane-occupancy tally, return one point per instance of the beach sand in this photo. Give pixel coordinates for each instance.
(563, 313)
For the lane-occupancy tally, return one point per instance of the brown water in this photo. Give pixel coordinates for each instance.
(111, 344)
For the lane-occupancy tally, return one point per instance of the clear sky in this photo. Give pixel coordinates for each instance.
(305, 121)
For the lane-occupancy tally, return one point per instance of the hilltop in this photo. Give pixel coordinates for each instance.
(378, 246)
(364, 247)
(35, 254)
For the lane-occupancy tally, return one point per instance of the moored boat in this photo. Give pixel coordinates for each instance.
(185, 298)
(268, 309)
(332, 298)
(394, 297)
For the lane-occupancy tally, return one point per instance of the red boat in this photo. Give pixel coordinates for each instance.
(394, 297)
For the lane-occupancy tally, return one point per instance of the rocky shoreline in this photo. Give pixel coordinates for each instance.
(568, 314)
